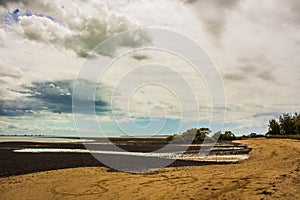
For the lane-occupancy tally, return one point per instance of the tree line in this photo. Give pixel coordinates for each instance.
(287, 124)
(196, 135)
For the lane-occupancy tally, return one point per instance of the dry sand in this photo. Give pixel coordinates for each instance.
(271, 172)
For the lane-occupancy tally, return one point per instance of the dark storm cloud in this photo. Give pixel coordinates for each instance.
(17, 107)
(54, 96)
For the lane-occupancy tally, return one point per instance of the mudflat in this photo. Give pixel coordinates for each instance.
(271, 172)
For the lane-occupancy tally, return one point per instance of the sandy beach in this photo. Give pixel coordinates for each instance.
(271, 172)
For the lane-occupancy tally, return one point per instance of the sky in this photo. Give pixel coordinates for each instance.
(254, 46)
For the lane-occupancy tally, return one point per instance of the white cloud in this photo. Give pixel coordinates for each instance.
(255, 45)
(76, 26)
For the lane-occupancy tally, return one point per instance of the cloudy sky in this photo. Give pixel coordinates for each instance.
(44, 45)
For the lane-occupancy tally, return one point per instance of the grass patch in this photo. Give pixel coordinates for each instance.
(295, 136)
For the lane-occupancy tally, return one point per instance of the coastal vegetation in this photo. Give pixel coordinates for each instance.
(196, 135)
(287, 126)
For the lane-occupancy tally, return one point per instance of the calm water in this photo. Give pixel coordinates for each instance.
(173, 155)
(42, 139)
(169, 155)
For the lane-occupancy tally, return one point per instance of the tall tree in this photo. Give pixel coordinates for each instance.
(274, 127)
(287, 124)
(296, 120)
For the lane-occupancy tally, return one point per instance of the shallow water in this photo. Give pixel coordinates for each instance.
(42, 139)
(172, 155)
(55, 150)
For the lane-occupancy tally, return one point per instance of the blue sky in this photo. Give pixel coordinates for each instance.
(45, 44)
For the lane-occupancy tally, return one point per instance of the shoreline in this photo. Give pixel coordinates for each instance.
(16, 161)
(271, 172)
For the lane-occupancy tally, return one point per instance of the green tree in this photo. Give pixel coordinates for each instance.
(191, 135)
(287, 126)
(201, 134)
(253, 135)
(228, 135)
(296, 120)
(274, 127)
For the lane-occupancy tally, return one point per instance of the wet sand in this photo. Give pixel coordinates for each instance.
(17, 160)
(271, 172)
